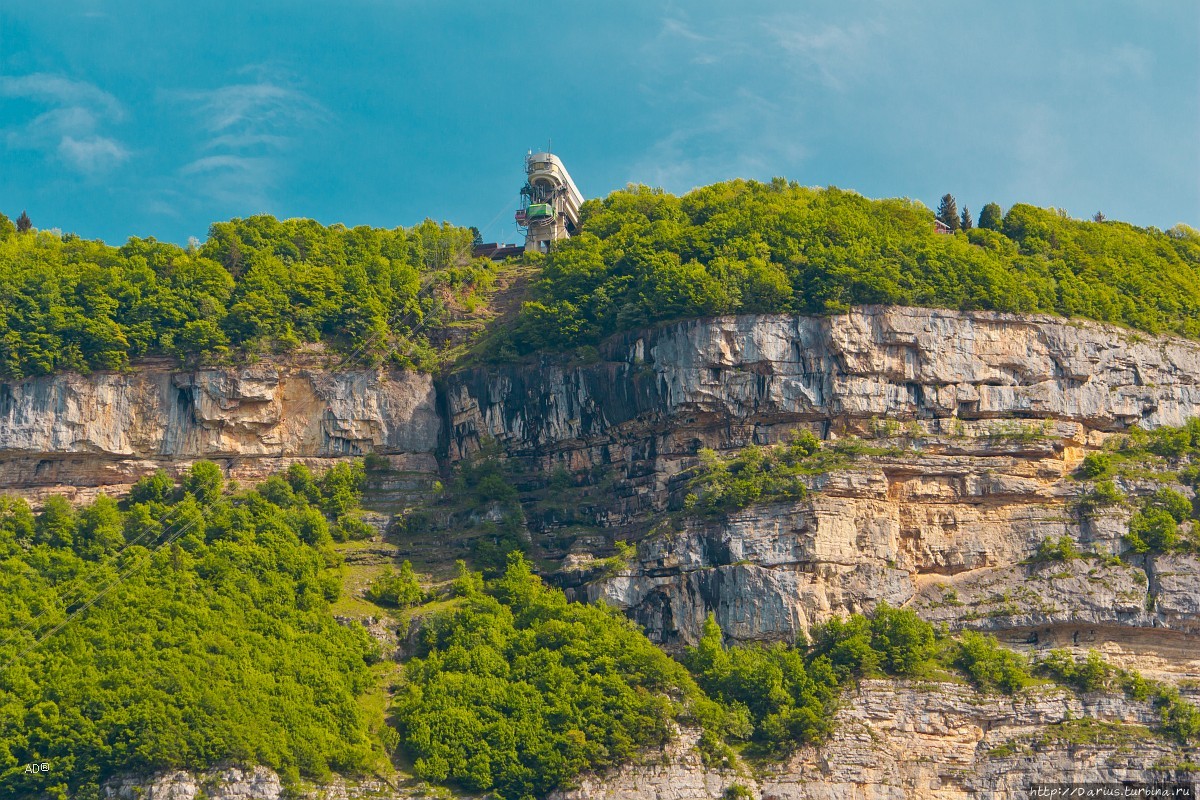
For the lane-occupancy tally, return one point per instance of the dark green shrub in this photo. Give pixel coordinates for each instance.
(1096, 466)
(1180, 718)
(340, 487)
(204, 481)
(757, 474)
(990, 666)
(893, 640)
(1152, 530)
(1061, 548)
(376, 462)
(153, 488)
(1102, 495)
(277, 490)
(1172, 502)
(351, 527)
(1091, 674)
(788, 701)
(398, 589)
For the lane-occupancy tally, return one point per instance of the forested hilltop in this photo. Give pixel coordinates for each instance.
(644, 256)
(259, 285)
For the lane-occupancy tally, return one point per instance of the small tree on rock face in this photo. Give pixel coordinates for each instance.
(991, 217)
(948, 212)
(965, 219)
(23, 223)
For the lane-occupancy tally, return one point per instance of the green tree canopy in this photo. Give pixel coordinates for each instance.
(257, 284)
(991, 217)
(214, 642)
(643, 257)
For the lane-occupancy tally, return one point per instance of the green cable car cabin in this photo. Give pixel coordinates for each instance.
(539, 211)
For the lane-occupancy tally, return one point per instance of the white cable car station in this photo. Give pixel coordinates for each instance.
(550, 202)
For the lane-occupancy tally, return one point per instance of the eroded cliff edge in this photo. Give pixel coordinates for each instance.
(77, 435)
(976, 423)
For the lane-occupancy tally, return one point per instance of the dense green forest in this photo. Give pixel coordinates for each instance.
(516, 691)
(644, 256)
(218, 646)
(256, 285)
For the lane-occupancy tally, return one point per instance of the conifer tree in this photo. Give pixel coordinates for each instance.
(948, 212)
(23, 223)
(965, 219)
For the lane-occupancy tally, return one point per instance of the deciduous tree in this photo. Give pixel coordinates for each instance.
(991, 217)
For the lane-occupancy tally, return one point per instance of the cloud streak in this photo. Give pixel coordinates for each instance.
(73, 127)
(249, 129)
(833, 54)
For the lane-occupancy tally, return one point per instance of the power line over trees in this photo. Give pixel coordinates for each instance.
(948, 212)
(965, 219)
(991, 217)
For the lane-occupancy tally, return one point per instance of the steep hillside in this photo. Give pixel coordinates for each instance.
(851, 508)
(974, 467)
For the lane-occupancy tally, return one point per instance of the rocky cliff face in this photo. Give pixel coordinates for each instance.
(892, 740)
(79, 434)
(975, 421)
(901, 740)
(972, 426)
(754, 374)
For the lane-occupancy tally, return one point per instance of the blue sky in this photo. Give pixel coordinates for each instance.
(122, 118)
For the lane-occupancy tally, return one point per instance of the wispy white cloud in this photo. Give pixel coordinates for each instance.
(674, 26)
(253, 107)
(739, 92)
(249, 127)
(61, 91)
(91, 154)
(748, 136)
(835, 55)
(73, 128)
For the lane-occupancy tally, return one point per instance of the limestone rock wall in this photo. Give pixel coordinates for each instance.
(79, 434)
(983, 417)
(907, 740)
(753, 372)
(976, 423)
